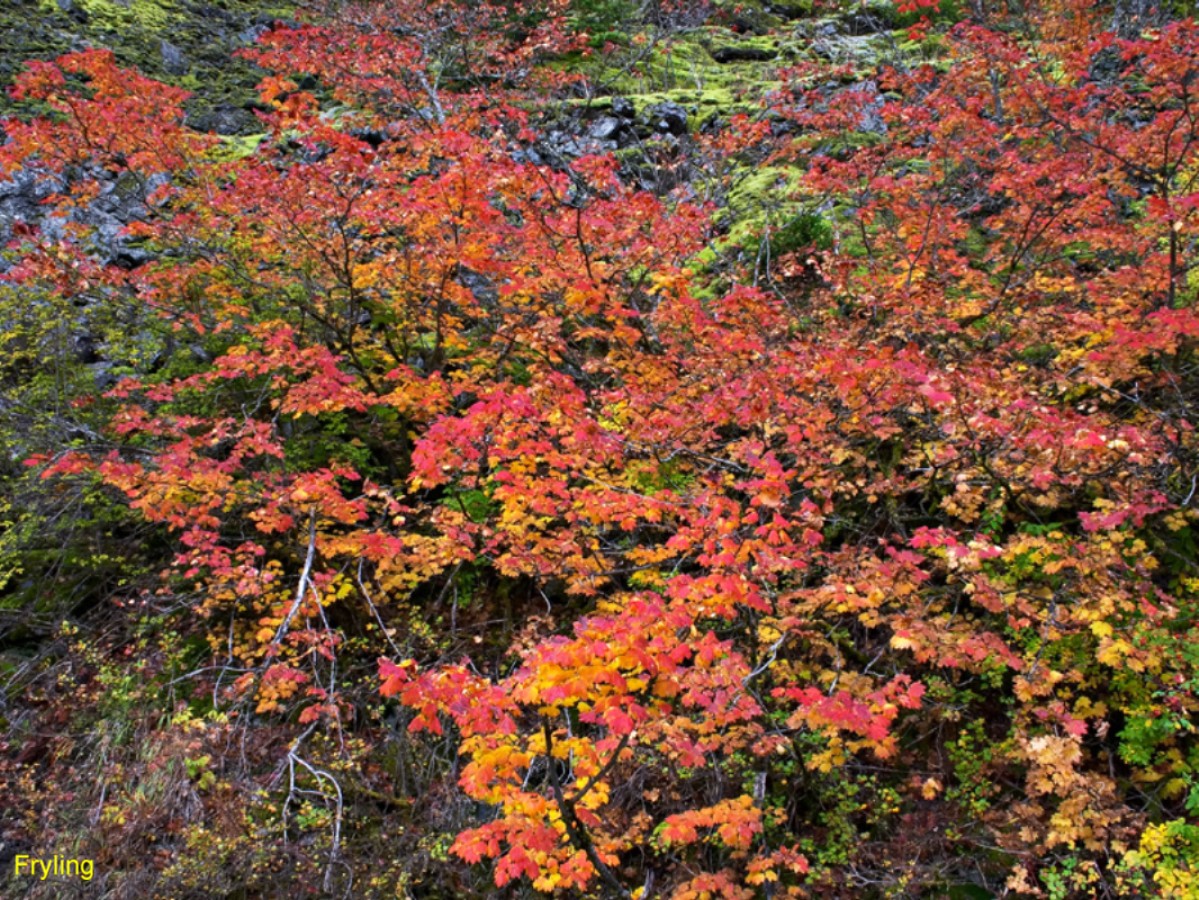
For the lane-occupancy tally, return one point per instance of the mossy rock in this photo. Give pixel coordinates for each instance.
(686, 70)
(865, 51)
(761, 200)
(113, 15)
(758, 49)
(187, 43)
(239, 146)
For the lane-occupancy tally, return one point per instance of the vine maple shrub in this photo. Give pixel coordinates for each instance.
(874, 578)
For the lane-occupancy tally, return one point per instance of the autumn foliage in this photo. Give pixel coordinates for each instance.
(496, 545)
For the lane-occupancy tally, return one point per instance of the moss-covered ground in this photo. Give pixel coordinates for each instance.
(201, 34)
(732, 63)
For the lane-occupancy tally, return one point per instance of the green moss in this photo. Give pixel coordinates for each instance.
(761, 200)
(865, 51)
(239, 146)
(975, 243)
(843, 218)
(762, 185)
(1038, 354)
(769, 43)
(804, 230)
(206, 34)
(699, 104)
(686, 64)
(111, 15)
(602, 19)
(842, 145)
(931, 47)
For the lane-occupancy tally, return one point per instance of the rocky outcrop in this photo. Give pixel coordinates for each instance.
(189, 43)
(667, 118)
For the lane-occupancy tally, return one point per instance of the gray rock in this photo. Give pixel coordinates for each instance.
(819, 28)
(103, 376)
(121, 200)
(867, 22)
(224, 119)
(624, 108)
(871, 103)
(20, 207)
(480, 286)
(667, 118)
(562, 144)
(528, 157)
(129, 258)
(860, 50)
(253, 33)
(86, 349)
(21, 197)
(782, 127)
(174, 60)
(374, 136)
(606, 129)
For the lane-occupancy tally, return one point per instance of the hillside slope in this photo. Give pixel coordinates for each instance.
(598, 449)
